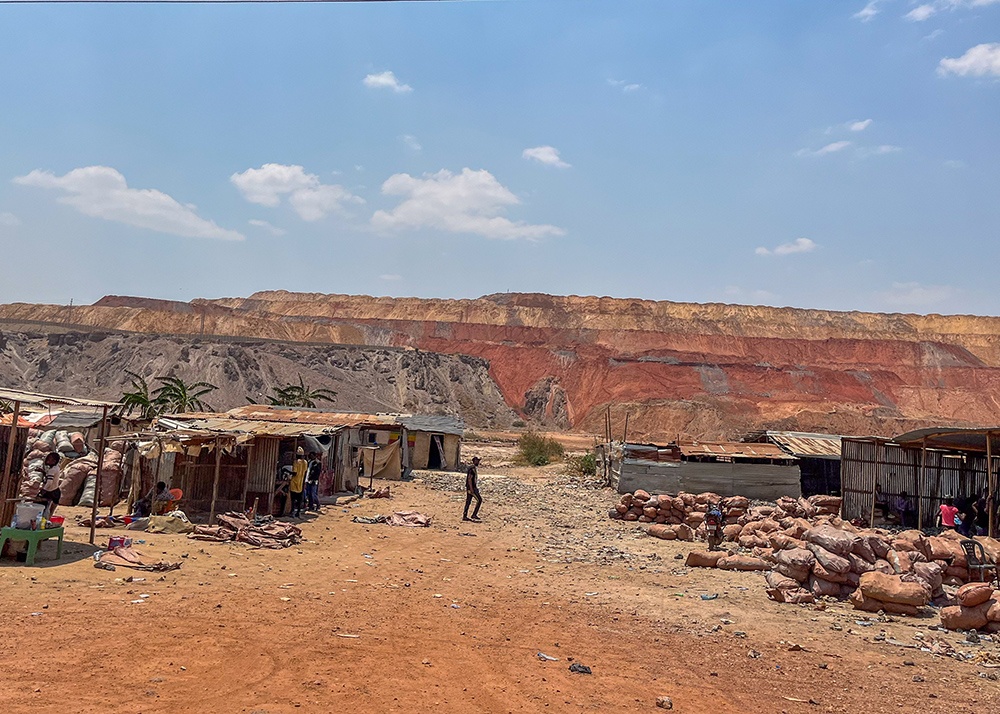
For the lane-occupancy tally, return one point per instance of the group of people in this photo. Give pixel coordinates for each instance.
(968, 516)
(299, 484)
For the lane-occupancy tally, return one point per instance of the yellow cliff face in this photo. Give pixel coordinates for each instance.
(709, 369)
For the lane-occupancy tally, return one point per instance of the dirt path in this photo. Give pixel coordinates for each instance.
(451, 618)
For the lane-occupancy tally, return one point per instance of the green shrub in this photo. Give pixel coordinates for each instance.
(585, 465)
(518, 424)
(538, 450)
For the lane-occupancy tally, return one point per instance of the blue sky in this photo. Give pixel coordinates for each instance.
(827, 155)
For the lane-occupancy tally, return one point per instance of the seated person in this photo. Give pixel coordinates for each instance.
(158, 500)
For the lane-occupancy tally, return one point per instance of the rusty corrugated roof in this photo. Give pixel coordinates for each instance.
(263, 412)
(733, 450)
(50, 400)
(190, 425)
(799, 443)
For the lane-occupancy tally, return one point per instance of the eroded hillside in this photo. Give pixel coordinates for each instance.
(365, 379)
(676, 368)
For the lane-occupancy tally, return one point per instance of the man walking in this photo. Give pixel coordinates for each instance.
(312, 482)
(472, 491)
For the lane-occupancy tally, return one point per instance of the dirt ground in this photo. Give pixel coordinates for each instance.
(452, 618)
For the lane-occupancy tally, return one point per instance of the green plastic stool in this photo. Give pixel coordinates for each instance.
(33, 538)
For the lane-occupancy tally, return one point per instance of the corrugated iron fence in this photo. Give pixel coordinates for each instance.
(924, 476)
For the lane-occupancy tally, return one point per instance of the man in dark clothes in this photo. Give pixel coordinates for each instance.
(312, 482)
(472, 491)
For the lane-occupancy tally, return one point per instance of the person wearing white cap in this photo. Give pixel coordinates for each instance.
(298, 482)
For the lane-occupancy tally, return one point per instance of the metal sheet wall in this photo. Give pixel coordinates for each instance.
(865, 462)
(263, 464)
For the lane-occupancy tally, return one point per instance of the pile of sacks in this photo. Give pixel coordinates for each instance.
(681, 517)
(876, 570)
(78, 464)
(976, 609)
(68, 446)
(808, 551)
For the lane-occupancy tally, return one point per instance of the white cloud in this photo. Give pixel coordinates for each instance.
(386, 80)
(859, 125)
(880, 150)
(547, 155)
(915, 295)
(831, 148)
(626, 87)
(978, 61)
(469, 202)
(9, 219)
(102, 192)
(934, 35)
(411, 142)
(391, 277)
(272, 229)
(954, 164)
(307, 195)
(928, 10)
(921, 13)
(868, 12)
(799, 245)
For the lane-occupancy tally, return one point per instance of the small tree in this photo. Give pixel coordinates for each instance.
(298, 395)
(175, 396)
(138, 397)
(538, 450)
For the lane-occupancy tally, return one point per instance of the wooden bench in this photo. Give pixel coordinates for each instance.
(33, 538)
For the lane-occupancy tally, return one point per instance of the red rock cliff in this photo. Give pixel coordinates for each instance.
(677, 368)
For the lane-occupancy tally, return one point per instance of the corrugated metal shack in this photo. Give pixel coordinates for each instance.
(922, 466)
(14, 436)
(760, 471)
(258, 441)
(818, 455)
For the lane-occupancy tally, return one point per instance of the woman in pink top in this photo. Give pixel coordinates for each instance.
(947, 513)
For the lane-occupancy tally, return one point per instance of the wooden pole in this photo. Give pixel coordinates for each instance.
(871, 521)
(102, 444)
(5, 485)
(215, 482)
(246, 478)
(920, 484)
(989, 483)
(625, 430)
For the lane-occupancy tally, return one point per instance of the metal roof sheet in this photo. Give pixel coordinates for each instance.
(800, 444)
(226, 425)
(943, 437)
(263, 412)
(733, 450)
(432, 423)
(652, 453)
(50, 400)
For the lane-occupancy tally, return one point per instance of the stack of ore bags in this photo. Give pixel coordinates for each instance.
(680, 517)
(808, 551)
(68, 445)
(976, 609)
(78, 465)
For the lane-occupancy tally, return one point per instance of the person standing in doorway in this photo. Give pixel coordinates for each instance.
(472, 491)
(312, 482)
(298, 482)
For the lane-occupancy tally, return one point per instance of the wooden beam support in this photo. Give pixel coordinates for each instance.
(215, 482)
(97, 479)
